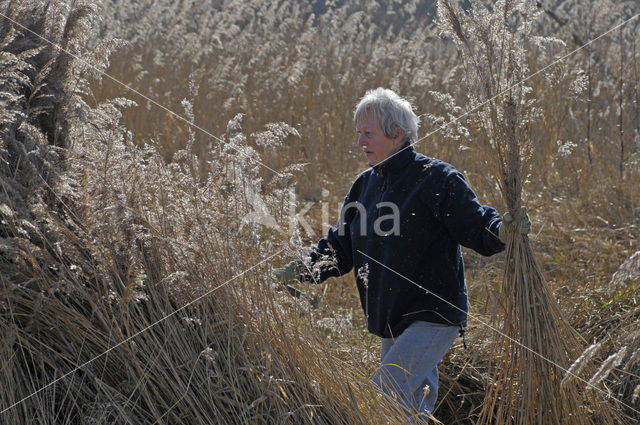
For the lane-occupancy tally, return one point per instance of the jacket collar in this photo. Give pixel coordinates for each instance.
(396, 162)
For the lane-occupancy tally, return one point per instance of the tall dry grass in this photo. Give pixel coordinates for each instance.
(132, 291)
(146, 211)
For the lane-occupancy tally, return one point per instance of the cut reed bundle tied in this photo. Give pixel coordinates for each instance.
(537, 344)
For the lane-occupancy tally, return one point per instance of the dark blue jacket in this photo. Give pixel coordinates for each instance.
(414, 262)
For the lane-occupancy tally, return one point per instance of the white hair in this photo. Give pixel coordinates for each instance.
(391, 111)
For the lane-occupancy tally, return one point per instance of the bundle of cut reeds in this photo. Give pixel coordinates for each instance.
(537, 343)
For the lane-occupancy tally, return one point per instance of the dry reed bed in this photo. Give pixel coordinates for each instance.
(102, 259)
(141, 237)
(244, 58)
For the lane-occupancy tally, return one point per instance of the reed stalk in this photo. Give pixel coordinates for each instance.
(537, 343)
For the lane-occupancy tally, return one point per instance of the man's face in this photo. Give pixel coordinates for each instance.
(373, 142)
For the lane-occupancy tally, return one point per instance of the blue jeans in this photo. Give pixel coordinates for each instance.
(409, 364)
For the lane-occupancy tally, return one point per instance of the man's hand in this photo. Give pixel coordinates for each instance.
(521, 221)
(286, 275)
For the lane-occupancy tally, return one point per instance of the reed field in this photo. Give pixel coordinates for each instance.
(159, 158)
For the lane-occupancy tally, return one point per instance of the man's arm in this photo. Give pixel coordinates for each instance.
(468, 222)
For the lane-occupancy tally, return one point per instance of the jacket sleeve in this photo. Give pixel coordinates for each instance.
(332, 256)
(468, 222)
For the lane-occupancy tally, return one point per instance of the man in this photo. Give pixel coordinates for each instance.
(400, 230)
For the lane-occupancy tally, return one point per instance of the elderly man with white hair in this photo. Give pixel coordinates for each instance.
(400, 229)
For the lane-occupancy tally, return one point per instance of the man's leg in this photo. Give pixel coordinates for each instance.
(409, 366)
(385, 346)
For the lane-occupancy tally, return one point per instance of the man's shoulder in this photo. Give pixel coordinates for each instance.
(363, 177)
(433, 168)
(359, 182)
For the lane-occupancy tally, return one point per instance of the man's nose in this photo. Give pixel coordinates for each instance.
(361, 140)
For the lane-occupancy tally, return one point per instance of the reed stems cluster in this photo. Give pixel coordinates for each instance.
(537, 344)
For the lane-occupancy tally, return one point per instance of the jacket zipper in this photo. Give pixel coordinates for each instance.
(385, 184)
